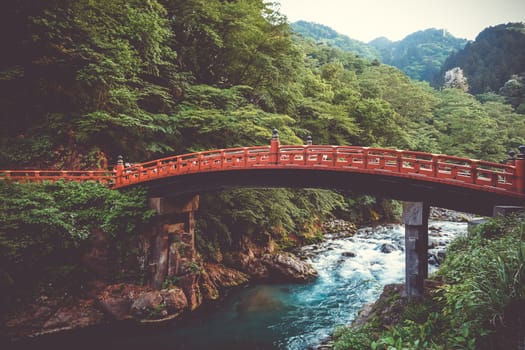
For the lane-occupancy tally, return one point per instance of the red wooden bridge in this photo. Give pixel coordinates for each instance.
(448, 181)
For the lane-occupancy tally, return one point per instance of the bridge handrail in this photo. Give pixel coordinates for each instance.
(103, 176)
(386, 161)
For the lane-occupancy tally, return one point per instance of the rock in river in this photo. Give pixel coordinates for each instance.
(289, 267)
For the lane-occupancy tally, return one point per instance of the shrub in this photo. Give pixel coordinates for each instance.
(44, 228)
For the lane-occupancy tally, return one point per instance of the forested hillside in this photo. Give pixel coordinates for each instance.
(328, 36)
(419, 55)
(82, 82)
(494, 62)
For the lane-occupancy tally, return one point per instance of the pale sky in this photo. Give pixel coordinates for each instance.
(368, 19)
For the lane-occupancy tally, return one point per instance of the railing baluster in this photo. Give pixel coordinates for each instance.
(305, 154)
(435, 165)
(474, 171)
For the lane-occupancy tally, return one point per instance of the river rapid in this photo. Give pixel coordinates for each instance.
(352, 272)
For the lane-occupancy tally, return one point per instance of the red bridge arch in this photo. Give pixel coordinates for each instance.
(457, 183)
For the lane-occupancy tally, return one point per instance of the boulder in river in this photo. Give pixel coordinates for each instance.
(287, 266)
(116, 299)
(349, 254)
(387, 248)
(216, 277)
(160, 305)
(340, 228)
(225, 277)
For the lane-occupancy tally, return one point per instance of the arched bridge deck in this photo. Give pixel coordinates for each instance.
(453, 182)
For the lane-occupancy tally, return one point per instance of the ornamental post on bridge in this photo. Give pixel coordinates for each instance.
(519, 163)
(119, 170)
(274, 147)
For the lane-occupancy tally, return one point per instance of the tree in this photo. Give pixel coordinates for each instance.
(228, 43)
(465, 127)
(97, 73)
(379, 124)
(514, 91)
(455, 78)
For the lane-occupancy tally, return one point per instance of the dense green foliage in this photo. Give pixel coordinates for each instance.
(494, 62)
(326, 35)
(479, 305)
(46, 229)
(419, 55)
(84, 81)
(84, 76)
(287, 217)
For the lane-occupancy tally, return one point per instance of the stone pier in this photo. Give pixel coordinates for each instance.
(415, 218)
(172, 238)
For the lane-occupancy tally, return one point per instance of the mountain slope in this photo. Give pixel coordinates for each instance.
(421, 54)
(494, 58)
(329, 36)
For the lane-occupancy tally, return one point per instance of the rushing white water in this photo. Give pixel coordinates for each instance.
(352, 272)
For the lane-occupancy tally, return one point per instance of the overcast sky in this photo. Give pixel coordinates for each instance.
(368, 19)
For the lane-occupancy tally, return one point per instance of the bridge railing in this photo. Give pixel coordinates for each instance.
(435, 167)
(402, 162)
(231, 158)
(495, 177)
(102, 176)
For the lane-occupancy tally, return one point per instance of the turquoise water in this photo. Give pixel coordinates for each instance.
(352, 272)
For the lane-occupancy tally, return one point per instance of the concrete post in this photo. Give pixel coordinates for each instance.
(415, 218)
(173, 237)
(504, 210)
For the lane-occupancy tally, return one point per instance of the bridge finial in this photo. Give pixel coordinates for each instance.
(309, 140)
(119, 170)
(520, 170)
(274, 147)
(522, 152)
(512, 155)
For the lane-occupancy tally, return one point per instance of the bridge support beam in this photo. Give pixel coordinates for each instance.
(172, 238)
(415, 218)
(504, 210)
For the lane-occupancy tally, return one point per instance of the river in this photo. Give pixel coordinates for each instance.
(352, 272)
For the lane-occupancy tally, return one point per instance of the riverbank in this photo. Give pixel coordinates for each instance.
(387, 309)
(107, 304)
(475, 301)
(371, 258)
